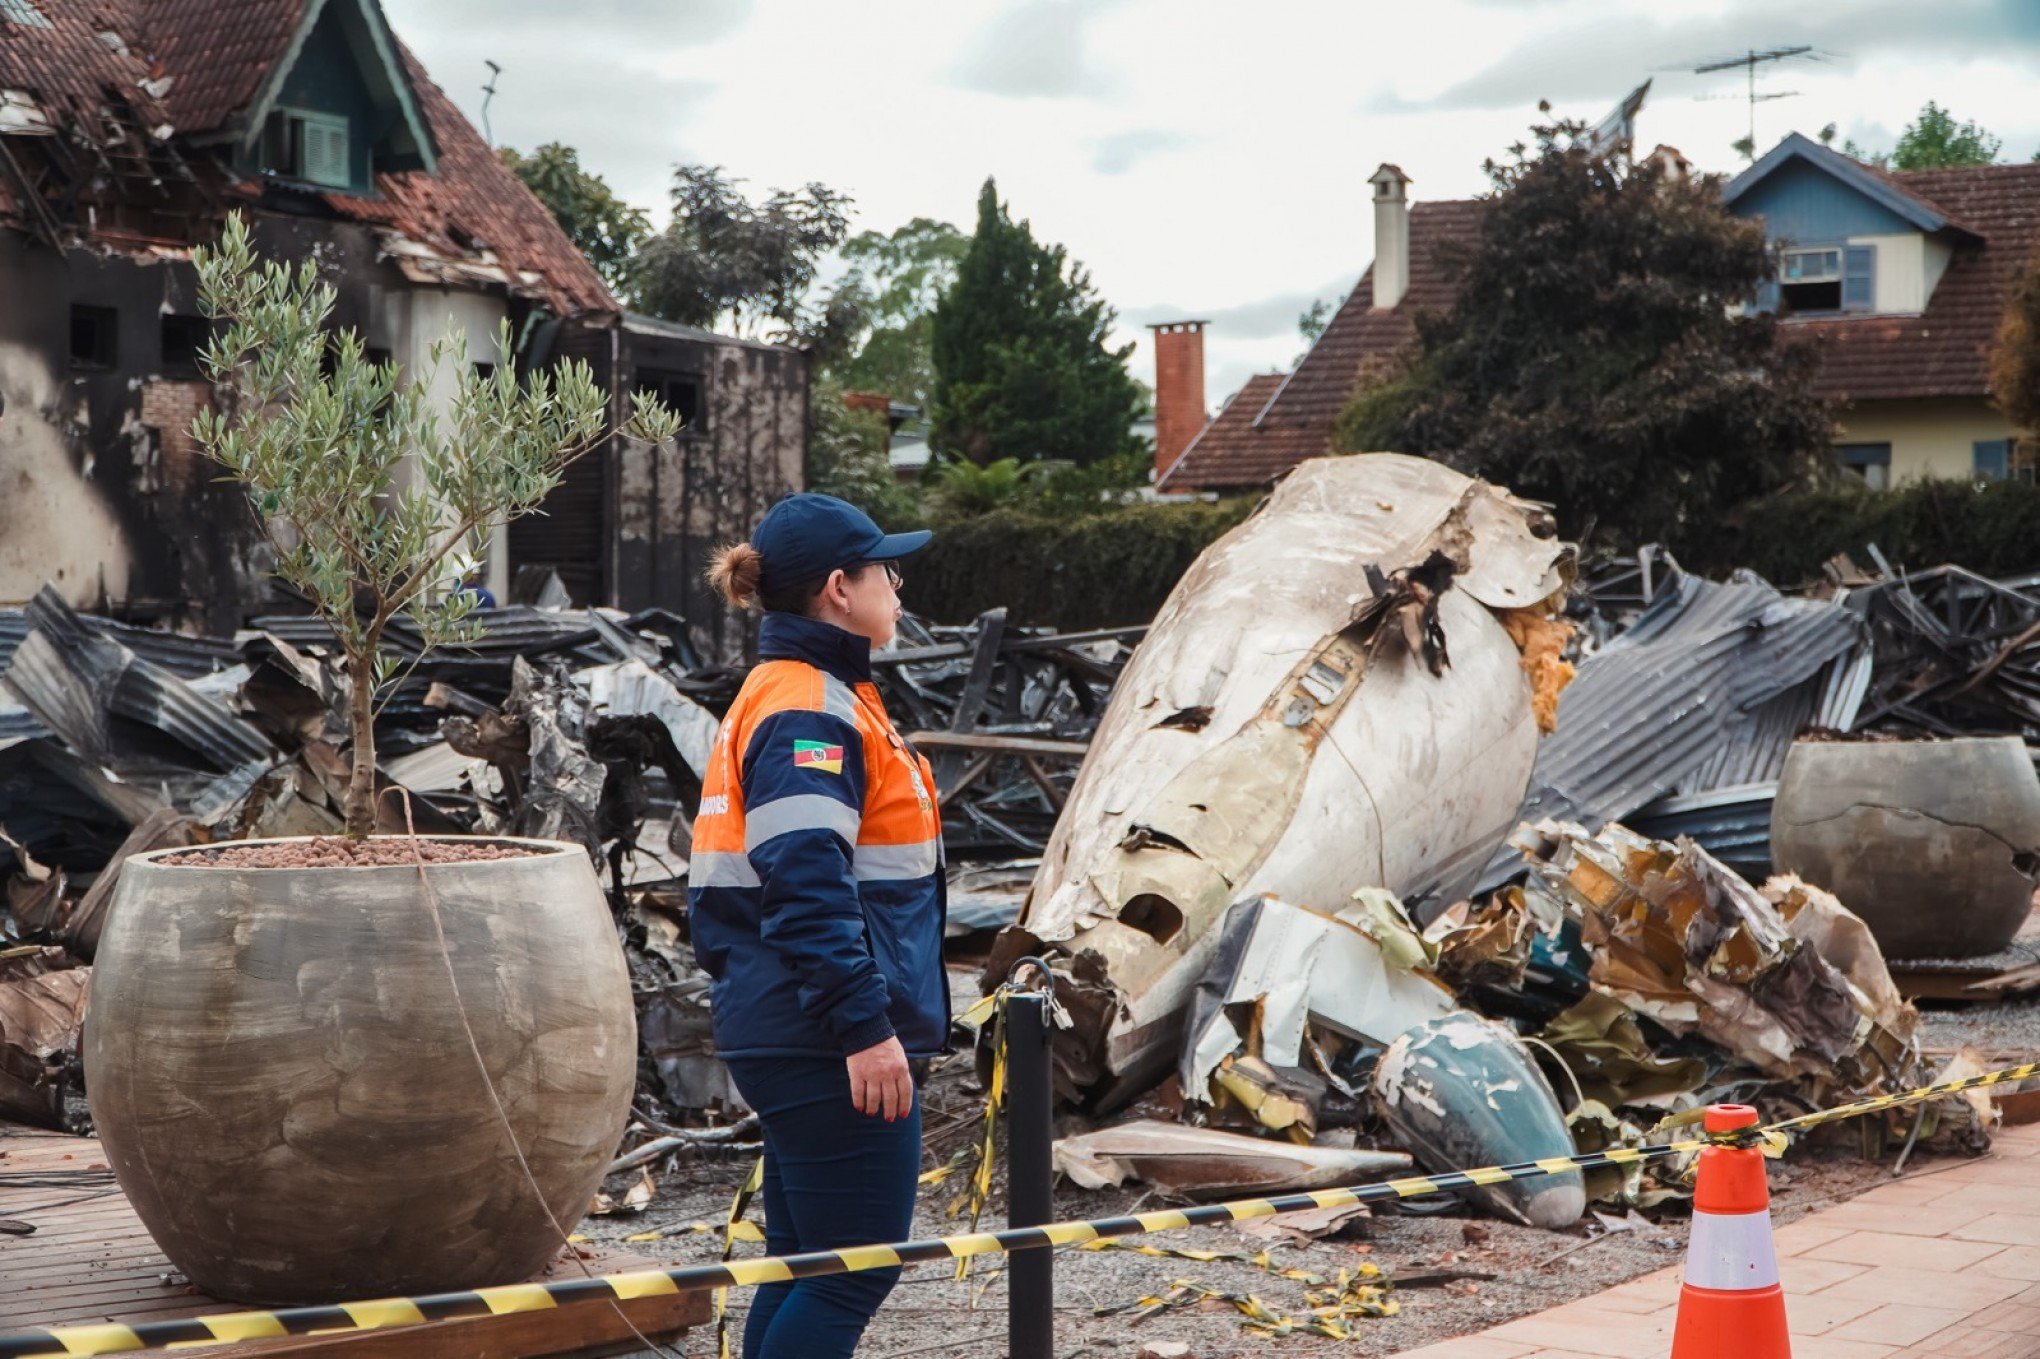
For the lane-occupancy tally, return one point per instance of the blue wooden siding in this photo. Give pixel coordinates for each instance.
(328, 79)
(1802, 204)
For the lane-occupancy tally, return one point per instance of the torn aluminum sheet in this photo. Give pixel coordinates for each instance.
(1676, 936)
(1280, 968)
(1463, 1092)
(1207, 1163)
(1372, 701)
(1604, 1051)
(632, 687)
(41, 1019)
(1706, 690)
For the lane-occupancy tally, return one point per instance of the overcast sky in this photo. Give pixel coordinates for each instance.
(1203, 158)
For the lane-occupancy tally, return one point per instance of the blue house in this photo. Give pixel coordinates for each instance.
(1902, 280)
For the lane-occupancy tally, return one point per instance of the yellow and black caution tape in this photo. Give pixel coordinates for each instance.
(116, 1338)
(732, 1231)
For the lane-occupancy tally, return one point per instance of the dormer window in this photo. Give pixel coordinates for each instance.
(1827, 279)
(301, 144)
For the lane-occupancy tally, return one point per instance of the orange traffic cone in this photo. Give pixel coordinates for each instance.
(1730, 1306)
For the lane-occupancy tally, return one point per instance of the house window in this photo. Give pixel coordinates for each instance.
(184, 339)
(1991, 459)
(679, 393)
(309, 146)
(1827, 279)
(94, 341)
(1871, 462)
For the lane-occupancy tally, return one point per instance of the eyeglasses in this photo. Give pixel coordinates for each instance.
(892, 574)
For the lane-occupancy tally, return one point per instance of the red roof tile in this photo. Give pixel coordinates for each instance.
(1293, 420)
(472, 213)
(218, 50)
(1944, 351)
(69, 69)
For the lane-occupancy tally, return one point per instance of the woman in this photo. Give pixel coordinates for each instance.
(816, 902)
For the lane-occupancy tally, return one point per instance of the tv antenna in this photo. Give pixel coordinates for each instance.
(488, 93)
(1749, 61)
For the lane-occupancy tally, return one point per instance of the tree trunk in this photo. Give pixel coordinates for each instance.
(360, 807)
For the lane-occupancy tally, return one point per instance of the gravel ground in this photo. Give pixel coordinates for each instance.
(931, 1312)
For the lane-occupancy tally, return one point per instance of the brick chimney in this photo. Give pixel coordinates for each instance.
(1179, 389)
(1391, 235)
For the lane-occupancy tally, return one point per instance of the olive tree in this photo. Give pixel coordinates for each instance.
(375, 504)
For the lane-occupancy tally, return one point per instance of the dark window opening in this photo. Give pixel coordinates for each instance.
(184, 339)
(485, 371)
(1802, 297)
(94, 341)
(1871, 462)
(679, 393)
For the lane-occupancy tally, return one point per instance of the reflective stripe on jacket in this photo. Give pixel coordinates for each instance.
(815, 890)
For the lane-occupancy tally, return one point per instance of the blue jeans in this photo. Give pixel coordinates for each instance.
(833, 1178)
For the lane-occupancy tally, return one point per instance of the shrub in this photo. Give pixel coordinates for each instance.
(1105, 569)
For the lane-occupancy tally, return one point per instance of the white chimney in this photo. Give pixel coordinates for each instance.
(1391, 235)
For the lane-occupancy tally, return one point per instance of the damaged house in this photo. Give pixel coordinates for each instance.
(130, 128)
(1901, 279)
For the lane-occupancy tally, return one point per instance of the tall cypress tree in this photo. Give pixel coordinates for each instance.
(1022, 364)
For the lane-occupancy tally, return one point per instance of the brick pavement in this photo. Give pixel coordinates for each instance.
(1945, 1266)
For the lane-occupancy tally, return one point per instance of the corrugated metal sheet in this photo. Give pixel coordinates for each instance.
(1732, 824)
(116, 708)
(1715, 677)
(185, 657)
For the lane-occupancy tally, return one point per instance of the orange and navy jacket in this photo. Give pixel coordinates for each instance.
(815, 891)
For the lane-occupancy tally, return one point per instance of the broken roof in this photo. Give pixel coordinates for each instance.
(191, 69)
(1275, 422)
(1989, 215)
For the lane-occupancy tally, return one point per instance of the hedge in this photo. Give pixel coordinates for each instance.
(1117, 566)
(1097, 570)
(1990, 527)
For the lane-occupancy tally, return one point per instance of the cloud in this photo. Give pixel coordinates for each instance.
(1605, 59)
(483, 23)
(1035, 49)
(1265, 318)
(1120, 152)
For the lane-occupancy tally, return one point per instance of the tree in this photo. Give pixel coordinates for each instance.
(1595, 356)
(846, 458)
(1933, 141)
(604, 227)
(316, 433)
(2015, 363)
(1020, 346)
(897, 280)
(727, 263)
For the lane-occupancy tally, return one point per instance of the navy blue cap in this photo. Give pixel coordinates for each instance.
(806, 536)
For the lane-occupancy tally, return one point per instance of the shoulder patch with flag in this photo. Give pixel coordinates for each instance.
(818, 755)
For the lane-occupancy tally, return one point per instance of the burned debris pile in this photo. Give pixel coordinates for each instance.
(1447, 851)
(581, 725)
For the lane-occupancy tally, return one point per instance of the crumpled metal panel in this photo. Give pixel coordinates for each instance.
(1329, 700)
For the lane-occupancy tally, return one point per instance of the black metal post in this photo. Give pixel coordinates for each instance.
(1030, 1137)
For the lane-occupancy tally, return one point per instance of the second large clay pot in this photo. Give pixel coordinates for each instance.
(286, 1089)
(1935, 844)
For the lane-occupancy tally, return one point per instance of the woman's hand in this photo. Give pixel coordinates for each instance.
(880, 1082)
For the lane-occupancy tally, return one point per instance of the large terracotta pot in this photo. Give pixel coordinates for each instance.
(287, 1094)
(1935, 844)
